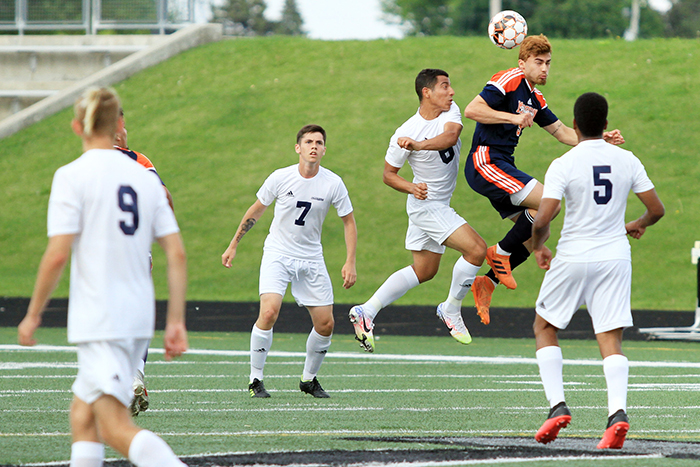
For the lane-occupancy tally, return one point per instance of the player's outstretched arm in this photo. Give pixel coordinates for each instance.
(250, 217)
(50, 269)
(349, 271)
(444, 140)
(549, 208)
(655, 211)
(392, 178)
(562, 133)
(479, 111)
(175, 338)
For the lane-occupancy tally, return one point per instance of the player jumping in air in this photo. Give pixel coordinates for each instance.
(509, 103)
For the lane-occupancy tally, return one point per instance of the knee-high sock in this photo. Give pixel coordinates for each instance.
(463, 274)
(550, 361)
(148, 450)
(87, 454)
(316, 349)
(519, 233)
(260, 343)
(391, 290)
(616, 369)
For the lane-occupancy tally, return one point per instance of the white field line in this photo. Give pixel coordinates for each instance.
(372, 357)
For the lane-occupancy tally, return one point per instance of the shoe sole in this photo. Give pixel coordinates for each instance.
(549, 430)
(614, 436)
(499, 270)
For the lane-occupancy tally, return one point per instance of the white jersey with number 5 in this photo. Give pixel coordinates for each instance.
(437, 169)
(116, 209)
(595, 179)
(300, 209)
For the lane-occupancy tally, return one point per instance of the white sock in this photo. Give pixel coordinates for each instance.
(391, 290)
(501, 251)
(148, 450)
(551, 363)
(463, 274)
(316, 349)
(260, 343)
(616, 368)
(87, 454)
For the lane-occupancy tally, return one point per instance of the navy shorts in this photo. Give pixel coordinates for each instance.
(493, 174)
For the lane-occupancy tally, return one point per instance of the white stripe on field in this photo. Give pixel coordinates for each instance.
(387, 357)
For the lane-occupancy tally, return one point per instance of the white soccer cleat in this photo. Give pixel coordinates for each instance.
(455, 324)
(363, 328)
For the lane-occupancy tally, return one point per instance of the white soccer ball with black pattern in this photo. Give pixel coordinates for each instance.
(507, 29)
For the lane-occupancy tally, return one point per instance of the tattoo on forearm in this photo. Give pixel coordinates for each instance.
(247, 225)
(557, 128)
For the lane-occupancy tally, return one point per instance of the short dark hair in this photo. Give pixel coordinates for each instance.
(311, 129)
(591, 114)
(427, 79)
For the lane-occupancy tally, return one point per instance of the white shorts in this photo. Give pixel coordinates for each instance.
(604, 287)
(311, 284)
(108, 368)
(519, 196)
(430, 223)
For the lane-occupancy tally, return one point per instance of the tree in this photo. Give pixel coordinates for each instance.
(291, 23)
(555, 18)
(247, 17)
(684, 19)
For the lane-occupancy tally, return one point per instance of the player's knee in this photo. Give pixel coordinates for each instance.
(267, 318)
(82, 419)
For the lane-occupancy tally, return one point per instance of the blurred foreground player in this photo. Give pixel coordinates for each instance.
(108, 211)
(593, 265)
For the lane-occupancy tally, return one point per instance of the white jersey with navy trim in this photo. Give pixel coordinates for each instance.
(115, 209)
(595, 179)
(437, 169)
(301, 205)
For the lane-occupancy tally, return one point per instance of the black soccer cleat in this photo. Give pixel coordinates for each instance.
(257, 389)
(314, 388)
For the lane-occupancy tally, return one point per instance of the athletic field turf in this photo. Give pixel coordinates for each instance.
(422, 400)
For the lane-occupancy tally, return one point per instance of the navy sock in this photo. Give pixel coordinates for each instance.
(518, 234)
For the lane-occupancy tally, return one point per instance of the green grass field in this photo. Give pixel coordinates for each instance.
(412, 387)
(218, 119)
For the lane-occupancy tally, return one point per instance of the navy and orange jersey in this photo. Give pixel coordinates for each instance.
(509, 91)
(141, 159)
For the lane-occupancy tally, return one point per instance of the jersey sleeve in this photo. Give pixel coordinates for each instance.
(554, 181)
(268, 192)
(395, 155)
(642, 182)
(64, 207)
(493, 96)
(341, 200)
(454, 115)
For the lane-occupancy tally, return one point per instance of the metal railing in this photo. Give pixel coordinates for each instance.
(92, 16)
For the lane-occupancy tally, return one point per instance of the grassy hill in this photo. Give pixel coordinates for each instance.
(218, 119)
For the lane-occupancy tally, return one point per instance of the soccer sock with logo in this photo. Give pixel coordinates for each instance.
(616, 369)
(87, 454)
(551, 362)
(149, 450)
(316, 349)
(391, 290)
(260, 343)
(463, 274)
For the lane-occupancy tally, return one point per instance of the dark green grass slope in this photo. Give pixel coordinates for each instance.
(218, 119)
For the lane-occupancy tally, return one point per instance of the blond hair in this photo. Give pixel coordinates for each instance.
(534, 46)
(98, 111)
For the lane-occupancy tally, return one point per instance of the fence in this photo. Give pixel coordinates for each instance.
(94, 15)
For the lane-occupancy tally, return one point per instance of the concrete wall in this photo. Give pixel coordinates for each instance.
(70, 64)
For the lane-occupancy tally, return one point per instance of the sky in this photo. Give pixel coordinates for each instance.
(356, 19)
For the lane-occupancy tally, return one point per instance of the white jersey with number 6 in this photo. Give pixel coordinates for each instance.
(300, 209)
(116, 209)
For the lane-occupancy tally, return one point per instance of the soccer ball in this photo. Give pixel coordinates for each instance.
(507, 29)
